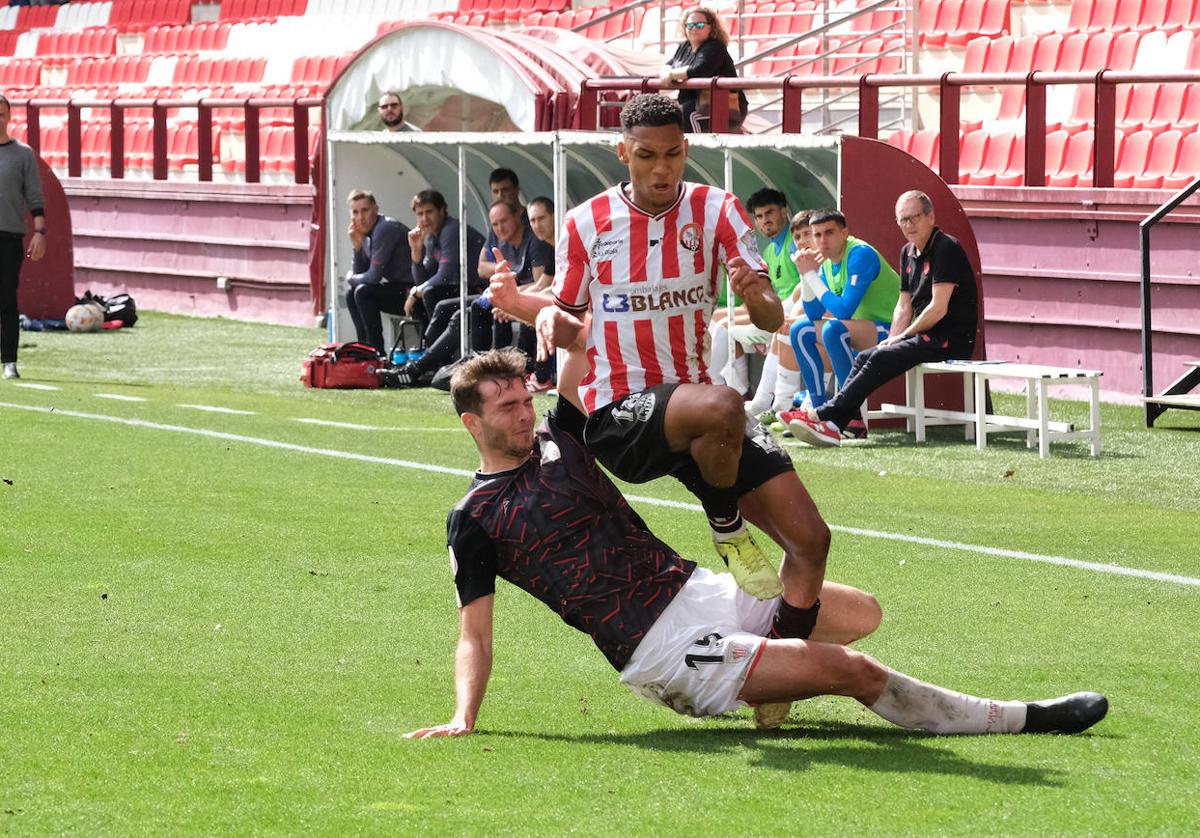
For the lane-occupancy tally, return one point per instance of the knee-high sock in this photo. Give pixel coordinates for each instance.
(764, 396)
(910, 703)
(718, 352)
(787, 382)
(836, 338)
(808, 358)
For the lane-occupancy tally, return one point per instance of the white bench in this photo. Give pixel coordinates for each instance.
(1036, 422)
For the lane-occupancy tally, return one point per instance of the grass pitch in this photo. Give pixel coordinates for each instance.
(207, 634)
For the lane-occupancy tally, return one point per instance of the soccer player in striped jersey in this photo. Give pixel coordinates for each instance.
(643, 260)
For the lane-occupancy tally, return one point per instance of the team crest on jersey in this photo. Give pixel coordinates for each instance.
(692, 237)
(750, 244)
(635, 408)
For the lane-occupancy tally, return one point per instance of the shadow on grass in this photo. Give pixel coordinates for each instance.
(1012, 443)
(887, 750)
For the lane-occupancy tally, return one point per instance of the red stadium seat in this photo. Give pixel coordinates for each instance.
(1099, 48)
(1077, 160)
(36, 17)
(1081, 14)
(975, 58)
(997, 18)
(995, 161)
(1127, 14)
(1124, 50)
(1181, 12)
(1164, 153)
(1104, 15)
(1056, 148)
(948, 14)
(971, 152)
(1154, 16)
(1074, 47)
(1187, 167)
(901, 138)
(1131, 161)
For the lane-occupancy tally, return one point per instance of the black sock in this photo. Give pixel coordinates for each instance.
(723, 525)
(791, 621)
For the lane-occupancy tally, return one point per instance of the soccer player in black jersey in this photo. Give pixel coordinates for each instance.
(544, 516)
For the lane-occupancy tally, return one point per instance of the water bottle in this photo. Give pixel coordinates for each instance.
(400, 357)
(485, 301)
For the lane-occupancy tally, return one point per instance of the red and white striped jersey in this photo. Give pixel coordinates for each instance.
(651, 283)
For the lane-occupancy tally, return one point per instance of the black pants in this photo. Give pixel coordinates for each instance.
(489, 333)
(444, 347)
(878, 365)
(427, 306)
(12, 255)
(365, 301)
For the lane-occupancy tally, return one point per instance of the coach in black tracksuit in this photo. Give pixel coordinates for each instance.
(935, 318)
(381, 275)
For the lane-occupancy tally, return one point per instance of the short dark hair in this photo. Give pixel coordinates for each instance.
(800, 220)
(767, 197)
(361, 195)
(503, 174)
(509, 205)
(545, 202)
(429, 196)
(494, 365)
(653, 110)
(823, 215)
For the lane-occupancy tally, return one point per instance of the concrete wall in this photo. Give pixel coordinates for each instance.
(1061, 274)
(168, 243)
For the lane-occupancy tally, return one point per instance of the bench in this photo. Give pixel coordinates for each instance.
(1036, 422)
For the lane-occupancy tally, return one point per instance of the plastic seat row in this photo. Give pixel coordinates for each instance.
(258, 9)
(112, 70)
(204, 72)
(1078, 51)
(1143, 15)
(100, 40)
(314, 71)
(134, 15)
(195, 37)
(955, 22)
(20, 72)
(1150, 107)
(1144, 160)
(519, 7)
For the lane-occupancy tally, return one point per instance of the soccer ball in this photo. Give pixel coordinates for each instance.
(85, 317)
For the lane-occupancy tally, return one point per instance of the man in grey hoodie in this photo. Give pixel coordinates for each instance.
(20, 189)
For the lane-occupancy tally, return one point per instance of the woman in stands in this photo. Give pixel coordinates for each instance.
(704, 54)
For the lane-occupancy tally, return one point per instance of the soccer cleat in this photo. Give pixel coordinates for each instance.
(750, 568)
(812, 431)
(856, 431)
(1070, 714)
(10, 370)
(771, 716)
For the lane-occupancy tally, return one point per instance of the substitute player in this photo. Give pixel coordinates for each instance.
(644, 259)
(544, 516)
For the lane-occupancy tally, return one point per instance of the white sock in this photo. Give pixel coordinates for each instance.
(765, 394)
(787, 382)
(718, 352)
(910, 703)
(737, 374)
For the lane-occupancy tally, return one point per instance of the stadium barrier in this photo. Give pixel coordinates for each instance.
(949, 87)
(250, 108)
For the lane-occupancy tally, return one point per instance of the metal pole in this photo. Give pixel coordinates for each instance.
(462, 251)
(729, 307)
(1147, 359)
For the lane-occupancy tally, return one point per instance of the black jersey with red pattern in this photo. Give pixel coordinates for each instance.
(557, 527)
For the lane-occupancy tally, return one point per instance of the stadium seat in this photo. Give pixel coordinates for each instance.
(948, 14)
(1181, 13)
(36, 17)
(901, 138)
(1131, 161)
(971, 152)
(1056, 148)
(82, 15)
(995, 162)
(1187, 167)
(1164, 154)
(926, 145)
(1076, 160)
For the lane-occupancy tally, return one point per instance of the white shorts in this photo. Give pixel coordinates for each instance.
(702, 648)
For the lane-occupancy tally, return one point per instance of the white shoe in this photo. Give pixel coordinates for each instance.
(10, 370)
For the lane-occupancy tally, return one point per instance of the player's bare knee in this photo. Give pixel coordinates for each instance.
(726, 411)
(868, 614)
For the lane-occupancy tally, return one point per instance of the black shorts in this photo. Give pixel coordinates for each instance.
(629, 438)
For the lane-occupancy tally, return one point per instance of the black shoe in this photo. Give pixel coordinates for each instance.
(855, 431)
(405, 376)
(1070, 714)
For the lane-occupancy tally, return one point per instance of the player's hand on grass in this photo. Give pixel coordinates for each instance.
(454, 728)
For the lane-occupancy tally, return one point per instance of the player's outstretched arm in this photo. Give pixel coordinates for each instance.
(766, 311)
(505, 295)
(473, 667)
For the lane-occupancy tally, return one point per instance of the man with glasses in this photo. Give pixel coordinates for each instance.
(934, 320)
(391, 111)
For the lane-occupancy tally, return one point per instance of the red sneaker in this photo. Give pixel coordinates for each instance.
(812, 431)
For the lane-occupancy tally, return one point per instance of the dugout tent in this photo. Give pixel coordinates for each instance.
(861, 177)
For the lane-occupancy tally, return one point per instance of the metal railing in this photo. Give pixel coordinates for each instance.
(949, 87)
(251, 109)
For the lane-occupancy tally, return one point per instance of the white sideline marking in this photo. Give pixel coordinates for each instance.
(354, 426)
(29, 386)
(214, 409)
(118, 397)
(1097, 567)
